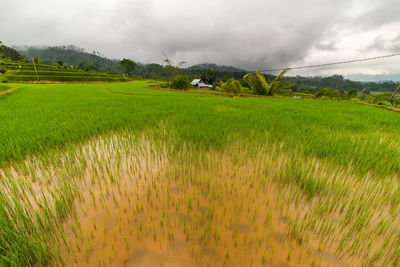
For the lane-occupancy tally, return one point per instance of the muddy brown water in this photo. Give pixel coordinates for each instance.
(165, 214)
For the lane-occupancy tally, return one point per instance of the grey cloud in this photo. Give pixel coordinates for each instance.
(382, 13)
(328, 46)
(258, 34)
(249, 34)
(381, 43)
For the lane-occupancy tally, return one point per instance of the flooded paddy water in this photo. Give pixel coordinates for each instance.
(134, 203)
(143, 209)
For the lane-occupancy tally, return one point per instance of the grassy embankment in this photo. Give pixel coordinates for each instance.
(120, 174)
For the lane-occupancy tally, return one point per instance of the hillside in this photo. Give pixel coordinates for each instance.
(72, 55)
(337, 82)
(9, 53)
(55, 66)
(22, 71)
(223, 68)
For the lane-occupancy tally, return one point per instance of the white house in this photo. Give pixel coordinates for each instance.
(200, 84)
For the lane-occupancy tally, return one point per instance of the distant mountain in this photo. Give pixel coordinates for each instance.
(206, 66)
(72, 55)
(9, 53)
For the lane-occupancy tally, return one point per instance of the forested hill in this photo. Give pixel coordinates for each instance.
(72, 55)
(9, 53)
(222, 68)
(340, 83)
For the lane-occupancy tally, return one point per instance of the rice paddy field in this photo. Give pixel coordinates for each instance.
(124, 175)
(19, 71)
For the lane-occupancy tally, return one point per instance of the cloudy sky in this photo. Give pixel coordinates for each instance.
(250, 34)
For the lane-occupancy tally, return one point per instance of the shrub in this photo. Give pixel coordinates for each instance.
(328, 93)
(323, 92)
(352, 93)
(232, 86)
(260, 86)
(36, 60)
(181, 82)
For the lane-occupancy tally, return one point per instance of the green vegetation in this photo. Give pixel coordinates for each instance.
(9, 53)
(259, 85)
(233, 86)
(351, 93)
(249, 180)
(313, 84)
(380, 98)
(375, 98)
(72, 56)
(79, 58)
(101, 108)
(181, 82)
(128, 65)
(20, 71)
(3, 88)
(210, 77)
(36, 60)
(330, 93)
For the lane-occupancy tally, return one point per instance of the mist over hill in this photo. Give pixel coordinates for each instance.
(206, 66)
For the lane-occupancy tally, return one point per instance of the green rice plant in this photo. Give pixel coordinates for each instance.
(328, 169)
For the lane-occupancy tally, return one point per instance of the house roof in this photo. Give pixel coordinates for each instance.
(196, 81)
(201, 84)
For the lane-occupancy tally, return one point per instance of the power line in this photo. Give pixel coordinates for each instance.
(333, 63)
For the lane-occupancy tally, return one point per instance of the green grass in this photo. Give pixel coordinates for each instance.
(3, 88)
(335, 152)
(377, 93)
(41, 117)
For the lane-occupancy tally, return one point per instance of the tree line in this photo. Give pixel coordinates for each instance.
(95, 61)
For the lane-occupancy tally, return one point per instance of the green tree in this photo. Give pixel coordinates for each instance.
(181, 82)
(231, 86)
(171, 68)
(10, 53)
(336, 94)
(211, 76)
(352, 93)
(260, 86)
(323, 92)
(128, 65)
(36, 60)
(60, 64)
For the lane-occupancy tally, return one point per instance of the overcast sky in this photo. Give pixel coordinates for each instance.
(250, 34)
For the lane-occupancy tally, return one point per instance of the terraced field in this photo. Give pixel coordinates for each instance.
(123, 175)
(25, 72)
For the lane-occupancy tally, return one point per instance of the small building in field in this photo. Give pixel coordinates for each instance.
(198, 83)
